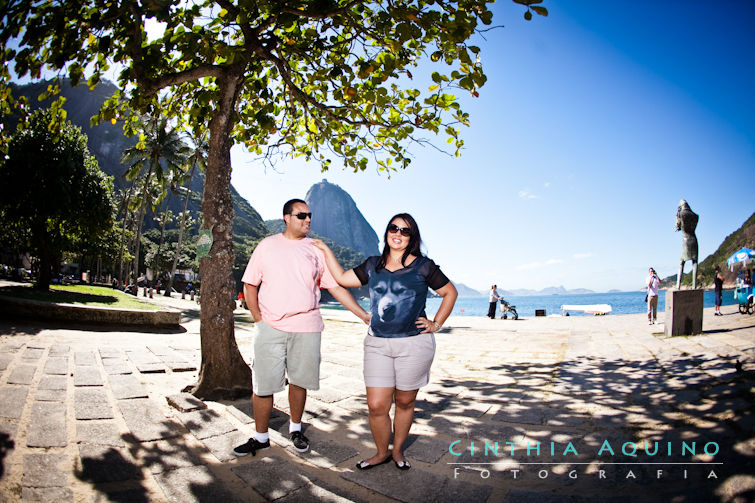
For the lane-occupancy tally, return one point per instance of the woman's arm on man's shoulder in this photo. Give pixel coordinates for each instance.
(346, 279)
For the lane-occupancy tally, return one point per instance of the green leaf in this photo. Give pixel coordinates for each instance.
(540, 10)
(93, 81)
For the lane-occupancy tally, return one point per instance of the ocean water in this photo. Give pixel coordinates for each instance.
(621, 302)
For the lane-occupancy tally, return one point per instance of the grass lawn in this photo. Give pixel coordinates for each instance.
(95, 296)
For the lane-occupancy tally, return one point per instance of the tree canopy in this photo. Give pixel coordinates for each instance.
(52, 193)
(322, 79)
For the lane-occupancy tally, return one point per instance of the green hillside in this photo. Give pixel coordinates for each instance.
(107, 142)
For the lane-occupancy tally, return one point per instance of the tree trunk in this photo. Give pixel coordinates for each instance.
(123, 232)
(45, 255)
(45, 270)
(180, 232)
(156, 261)
(223, 372)
(142, 211)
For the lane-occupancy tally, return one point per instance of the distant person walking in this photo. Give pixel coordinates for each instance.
(718, 288)
(653, 283)
(282, 290)
(494, 298)
(400, 345)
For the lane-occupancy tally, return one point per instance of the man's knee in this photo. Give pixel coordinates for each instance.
(296, 390)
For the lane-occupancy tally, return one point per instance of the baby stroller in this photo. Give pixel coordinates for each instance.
(743, 291)
(743, 295)
(508, 308)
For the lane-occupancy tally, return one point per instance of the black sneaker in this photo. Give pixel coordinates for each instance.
(301, 443)
(252, 445)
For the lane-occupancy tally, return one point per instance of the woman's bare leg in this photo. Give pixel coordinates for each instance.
(403, 420)
(379, 402)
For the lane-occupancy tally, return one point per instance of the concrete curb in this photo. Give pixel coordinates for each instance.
(165, 317)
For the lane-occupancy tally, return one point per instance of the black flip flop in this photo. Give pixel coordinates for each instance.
(364, 465)
(403, 465)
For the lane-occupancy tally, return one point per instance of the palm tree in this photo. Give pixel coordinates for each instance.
(198, 157)
(166, 217)
(125, 207)
(157, 143)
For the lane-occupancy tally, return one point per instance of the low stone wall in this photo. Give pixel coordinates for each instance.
(87, 314)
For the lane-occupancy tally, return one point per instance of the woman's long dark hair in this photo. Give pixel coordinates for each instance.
(415, 241)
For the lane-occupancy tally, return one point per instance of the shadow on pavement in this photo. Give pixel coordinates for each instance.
(27, 326)
(6, 445)
(659, 420)
(116, 473)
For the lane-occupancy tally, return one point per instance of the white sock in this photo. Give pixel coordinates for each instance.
(292, 426)
(261, 437)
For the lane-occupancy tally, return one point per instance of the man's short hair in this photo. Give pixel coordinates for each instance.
(289, 206)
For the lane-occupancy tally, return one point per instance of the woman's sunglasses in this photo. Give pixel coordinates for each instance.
(405, 231)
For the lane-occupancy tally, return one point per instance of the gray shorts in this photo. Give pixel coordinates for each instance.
(278, 353)
(400, 362)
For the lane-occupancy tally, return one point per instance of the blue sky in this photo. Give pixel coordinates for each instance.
(594, 123)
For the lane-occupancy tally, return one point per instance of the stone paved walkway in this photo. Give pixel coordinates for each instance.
(517, 411)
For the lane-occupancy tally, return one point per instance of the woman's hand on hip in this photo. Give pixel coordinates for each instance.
(427, 326)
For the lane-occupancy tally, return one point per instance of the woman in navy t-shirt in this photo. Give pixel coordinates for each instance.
(400, 345)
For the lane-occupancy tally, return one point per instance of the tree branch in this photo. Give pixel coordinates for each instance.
(321, 15)
(149, 85)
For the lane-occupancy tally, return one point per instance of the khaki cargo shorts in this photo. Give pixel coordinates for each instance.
(278, 354)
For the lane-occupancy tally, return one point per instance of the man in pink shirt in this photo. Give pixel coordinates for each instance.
(282, 291)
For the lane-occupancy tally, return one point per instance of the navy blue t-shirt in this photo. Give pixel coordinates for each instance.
(397, 298)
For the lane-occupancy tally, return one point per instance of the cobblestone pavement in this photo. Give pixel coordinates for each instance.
(537, 410)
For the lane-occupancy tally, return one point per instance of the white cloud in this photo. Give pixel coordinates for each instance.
(533, 265)
(525, 194)
(582, 255)
(536, 265)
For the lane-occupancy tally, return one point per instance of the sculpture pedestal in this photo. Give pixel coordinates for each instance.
(684, 312)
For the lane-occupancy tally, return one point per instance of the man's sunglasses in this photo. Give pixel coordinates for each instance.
(302, 215)
(405, 231)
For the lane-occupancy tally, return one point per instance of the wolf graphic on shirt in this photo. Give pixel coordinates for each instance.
(392, 303)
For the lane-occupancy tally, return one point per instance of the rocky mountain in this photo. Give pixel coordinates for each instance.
(744, 237)
(347, 257)
(107, 142)
(337, 217)
(465, 291)
(551, 290)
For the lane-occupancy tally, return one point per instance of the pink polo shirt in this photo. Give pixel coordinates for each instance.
(289, 274)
